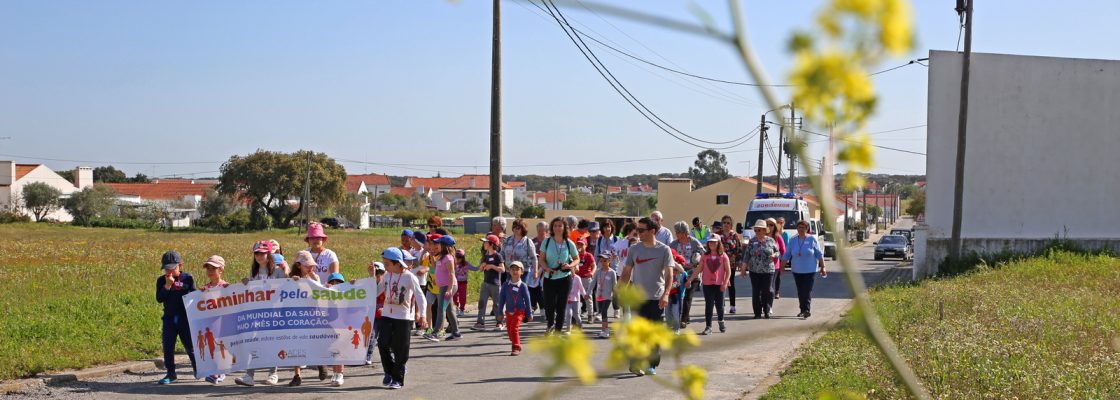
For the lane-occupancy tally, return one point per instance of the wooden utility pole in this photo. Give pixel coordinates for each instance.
(965, 7)
(496, 115)
(761, 144)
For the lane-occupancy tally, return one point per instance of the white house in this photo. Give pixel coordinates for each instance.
(180, 197)
(550, 200)
(453, 193)
(13, 177)
(373, 184)
(520, 189)
(1041, 155)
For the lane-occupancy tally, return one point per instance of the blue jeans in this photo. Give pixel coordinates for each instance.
(176, 326)
(804, 290)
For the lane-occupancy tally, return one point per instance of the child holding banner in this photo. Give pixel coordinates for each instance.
(377, 271)
(214, 266)
(402, 293)
(170, 289)
(264, 267)
(304, 268)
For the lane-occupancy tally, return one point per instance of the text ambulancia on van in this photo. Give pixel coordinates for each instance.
(773, 205)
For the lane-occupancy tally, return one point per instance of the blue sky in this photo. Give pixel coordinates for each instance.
(407, 82)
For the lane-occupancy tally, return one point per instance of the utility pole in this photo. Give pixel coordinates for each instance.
(789, 151)
(307, 193)
(761, 143)
(963, 7)
(496, 115)
(781, 144)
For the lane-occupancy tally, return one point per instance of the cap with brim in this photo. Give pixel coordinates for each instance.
(713, 238)
(493, 240)
(171, 259)
(433, 237)
(420, 237)
(262, 247)
(216, 262)
(605, 254)
(759, 224)
(315, 231)
(717, 224)
(593, 226)
(303, 257)
(517, 264)
(378, 266)
(446, 240)
(337, 276)
(275, 245)
(407, 232)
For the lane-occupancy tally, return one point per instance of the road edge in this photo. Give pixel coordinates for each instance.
(54, 378)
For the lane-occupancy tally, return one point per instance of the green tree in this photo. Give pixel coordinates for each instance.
(710, 167)
(270, 179)
(41, 199)
(216, 204)
(917, 204)
(351, 208)
(91, 202)
(532, 212)
(109, 174)
(636, 206)
(874, 212)
(391, 201)
(473, 205)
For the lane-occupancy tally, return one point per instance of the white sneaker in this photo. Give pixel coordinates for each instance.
(272, 379)
(246, 380)
(337, 380)
(616, 313)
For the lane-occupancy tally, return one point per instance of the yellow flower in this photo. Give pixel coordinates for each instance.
(630, 296)
(896, 33)
(636, 340)
(693, 379)
(573, 352)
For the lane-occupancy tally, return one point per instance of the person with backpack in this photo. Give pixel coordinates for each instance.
(558, 258)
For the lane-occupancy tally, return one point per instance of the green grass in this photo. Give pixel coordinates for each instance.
(75, 297)
(1045, 327)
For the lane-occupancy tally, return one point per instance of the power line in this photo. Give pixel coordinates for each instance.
(114, 162)
(896, 130)
(621, 89)
(873, 145)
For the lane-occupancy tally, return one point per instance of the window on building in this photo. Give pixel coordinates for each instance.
(722, 199)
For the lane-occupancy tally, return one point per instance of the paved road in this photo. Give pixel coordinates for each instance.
(479, 366)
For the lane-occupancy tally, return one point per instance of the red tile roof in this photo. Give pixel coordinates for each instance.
(614, 189)
(640, 189)
(167, 189)
(432, 183)
(24, 169)
(516, 184)
(353, 182)
(471, 182)
(401, 191)
(549, 197)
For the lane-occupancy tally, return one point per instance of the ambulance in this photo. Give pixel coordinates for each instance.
(773, 205)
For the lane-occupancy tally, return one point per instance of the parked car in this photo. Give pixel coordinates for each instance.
(905, 232)
(337, 223)
(828, 244)
(896, 246)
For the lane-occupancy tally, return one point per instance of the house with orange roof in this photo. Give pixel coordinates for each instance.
(452, 194)
(179, 197)
(520, 189)
(14, 176)
(372, 185)
(550, 200)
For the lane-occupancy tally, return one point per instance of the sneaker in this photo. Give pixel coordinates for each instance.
(387, 380)
(296, 381)
(767, 315)
(453, 336)
(616, 313)
(478, 327)
(499, 327)
(707, 331)
(216, 379)
(549, 331)
(272, 379)
(246, 380)
(338, 380)
(515, 353)
(722, 327)
(167, 380)
(732, 311)
(322, 373)
(394, 385)
(807, 314)
(638, 372)
(777, 296)
(369, 362)
(431, 337)
(417, 332)
(460, 313)
(651, 371)
(602, 334)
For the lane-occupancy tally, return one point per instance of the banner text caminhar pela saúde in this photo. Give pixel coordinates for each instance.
(256, 296)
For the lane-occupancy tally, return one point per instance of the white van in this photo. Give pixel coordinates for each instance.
(773, 205)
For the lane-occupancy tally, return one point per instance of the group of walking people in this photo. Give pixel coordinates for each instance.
(569, 270)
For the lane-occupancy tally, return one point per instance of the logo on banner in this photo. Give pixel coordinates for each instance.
(283, 354)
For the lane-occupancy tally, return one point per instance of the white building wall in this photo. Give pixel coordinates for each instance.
(45, 175)
(1041, 159)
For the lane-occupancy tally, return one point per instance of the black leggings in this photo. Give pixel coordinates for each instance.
(713, 297)
(777, 280)
(686, 306)
(393, 342)
(535, 298)
(556, 300)
(731, 289)
(762, 292)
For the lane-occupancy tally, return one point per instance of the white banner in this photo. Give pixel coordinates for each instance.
(280, 323)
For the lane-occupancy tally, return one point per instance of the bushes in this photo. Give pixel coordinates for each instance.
(8, 217)
(118, 222)
(238, 221)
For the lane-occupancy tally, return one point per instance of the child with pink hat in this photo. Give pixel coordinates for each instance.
(326, 262)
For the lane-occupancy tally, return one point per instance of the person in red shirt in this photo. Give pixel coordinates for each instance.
(585, 272)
